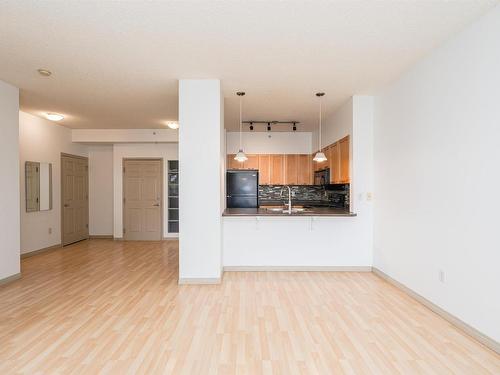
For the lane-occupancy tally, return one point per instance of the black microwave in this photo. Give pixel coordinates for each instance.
(322, 177)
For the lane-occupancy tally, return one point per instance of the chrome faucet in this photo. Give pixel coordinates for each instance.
(289, 209)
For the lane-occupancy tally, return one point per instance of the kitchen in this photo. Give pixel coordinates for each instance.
(317, 183)
(290, 205)
(282, 178)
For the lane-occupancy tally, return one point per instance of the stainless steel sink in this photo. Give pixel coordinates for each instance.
(275, 209)
(285, 210)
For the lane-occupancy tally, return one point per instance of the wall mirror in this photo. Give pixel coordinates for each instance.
(38, 186)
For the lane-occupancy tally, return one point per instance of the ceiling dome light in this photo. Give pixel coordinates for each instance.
(44, 72)
(320, 156)
(54, 116)
(240, 156)
(173, 125)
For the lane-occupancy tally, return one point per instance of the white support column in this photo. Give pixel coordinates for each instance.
(9, 199)
(201, 187)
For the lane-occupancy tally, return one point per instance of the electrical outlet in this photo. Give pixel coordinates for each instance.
(50, 230)
(369, 196)
(441, 276)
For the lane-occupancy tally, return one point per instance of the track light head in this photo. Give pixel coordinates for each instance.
(268, 126)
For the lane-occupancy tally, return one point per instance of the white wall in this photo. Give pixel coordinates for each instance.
(295, 242)
(270, 143)
(9, 179)
(43, 141)
(437, 177)
(335, 126)
(165, 151)
(101, 190)
(201, 154)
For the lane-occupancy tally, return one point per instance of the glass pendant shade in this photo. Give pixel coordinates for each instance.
(319, 157)
(240, 156)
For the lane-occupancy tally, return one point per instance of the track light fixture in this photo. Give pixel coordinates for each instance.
(251, 126)
(268, 126)
(294, 127)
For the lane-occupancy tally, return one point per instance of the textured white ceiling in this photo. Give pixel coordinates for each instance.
(116, 64)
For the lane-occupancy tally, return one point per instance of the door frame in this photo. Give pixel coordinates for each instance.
(63, 154)
(162, 173)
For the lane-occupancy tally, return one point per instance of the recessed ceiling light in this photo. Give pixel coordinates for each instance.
(44, 72)
(54, 116)
(173, 125)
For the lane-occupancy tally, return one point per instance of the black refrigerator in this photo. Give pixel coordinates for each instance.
(242, 188)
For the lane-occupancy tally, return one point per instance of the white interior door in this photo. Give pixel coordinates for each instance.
(142, 199)
(75, 199)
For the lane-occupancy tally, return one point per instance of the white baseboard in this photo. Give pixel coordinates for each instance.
(469, 330)
(100, 236)
(200, 281)
(298, 268)
(10, 279)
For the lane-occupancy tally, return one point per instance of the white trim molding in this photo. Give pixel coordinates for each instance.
(200, 281)
(461, 325)
(298, 268)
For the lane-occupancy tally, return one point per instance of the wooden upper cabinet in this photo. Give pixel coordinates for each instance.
(233, 164)
(277, 170)
(325, 164)
(252, 162)
(334, 163)
(264, 169)
(304, 169)
(344, 160)
(291, 172)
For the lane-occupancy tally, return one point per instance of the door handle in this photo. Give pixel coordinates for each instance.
(66, 205)
(156, 205)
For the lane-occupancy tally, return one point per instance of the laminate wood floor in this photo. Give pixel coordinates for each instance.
(103, 306)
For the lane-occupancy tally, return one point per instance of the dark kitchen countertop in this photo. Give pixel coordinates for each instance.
(313, 211)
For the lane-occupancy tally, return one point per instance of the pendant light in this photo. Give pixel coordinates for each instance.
(320, 156)
(240, 156)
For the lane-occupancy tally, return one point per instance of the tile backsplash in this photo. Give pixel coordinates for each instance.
(299, 192)
(313, 194)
